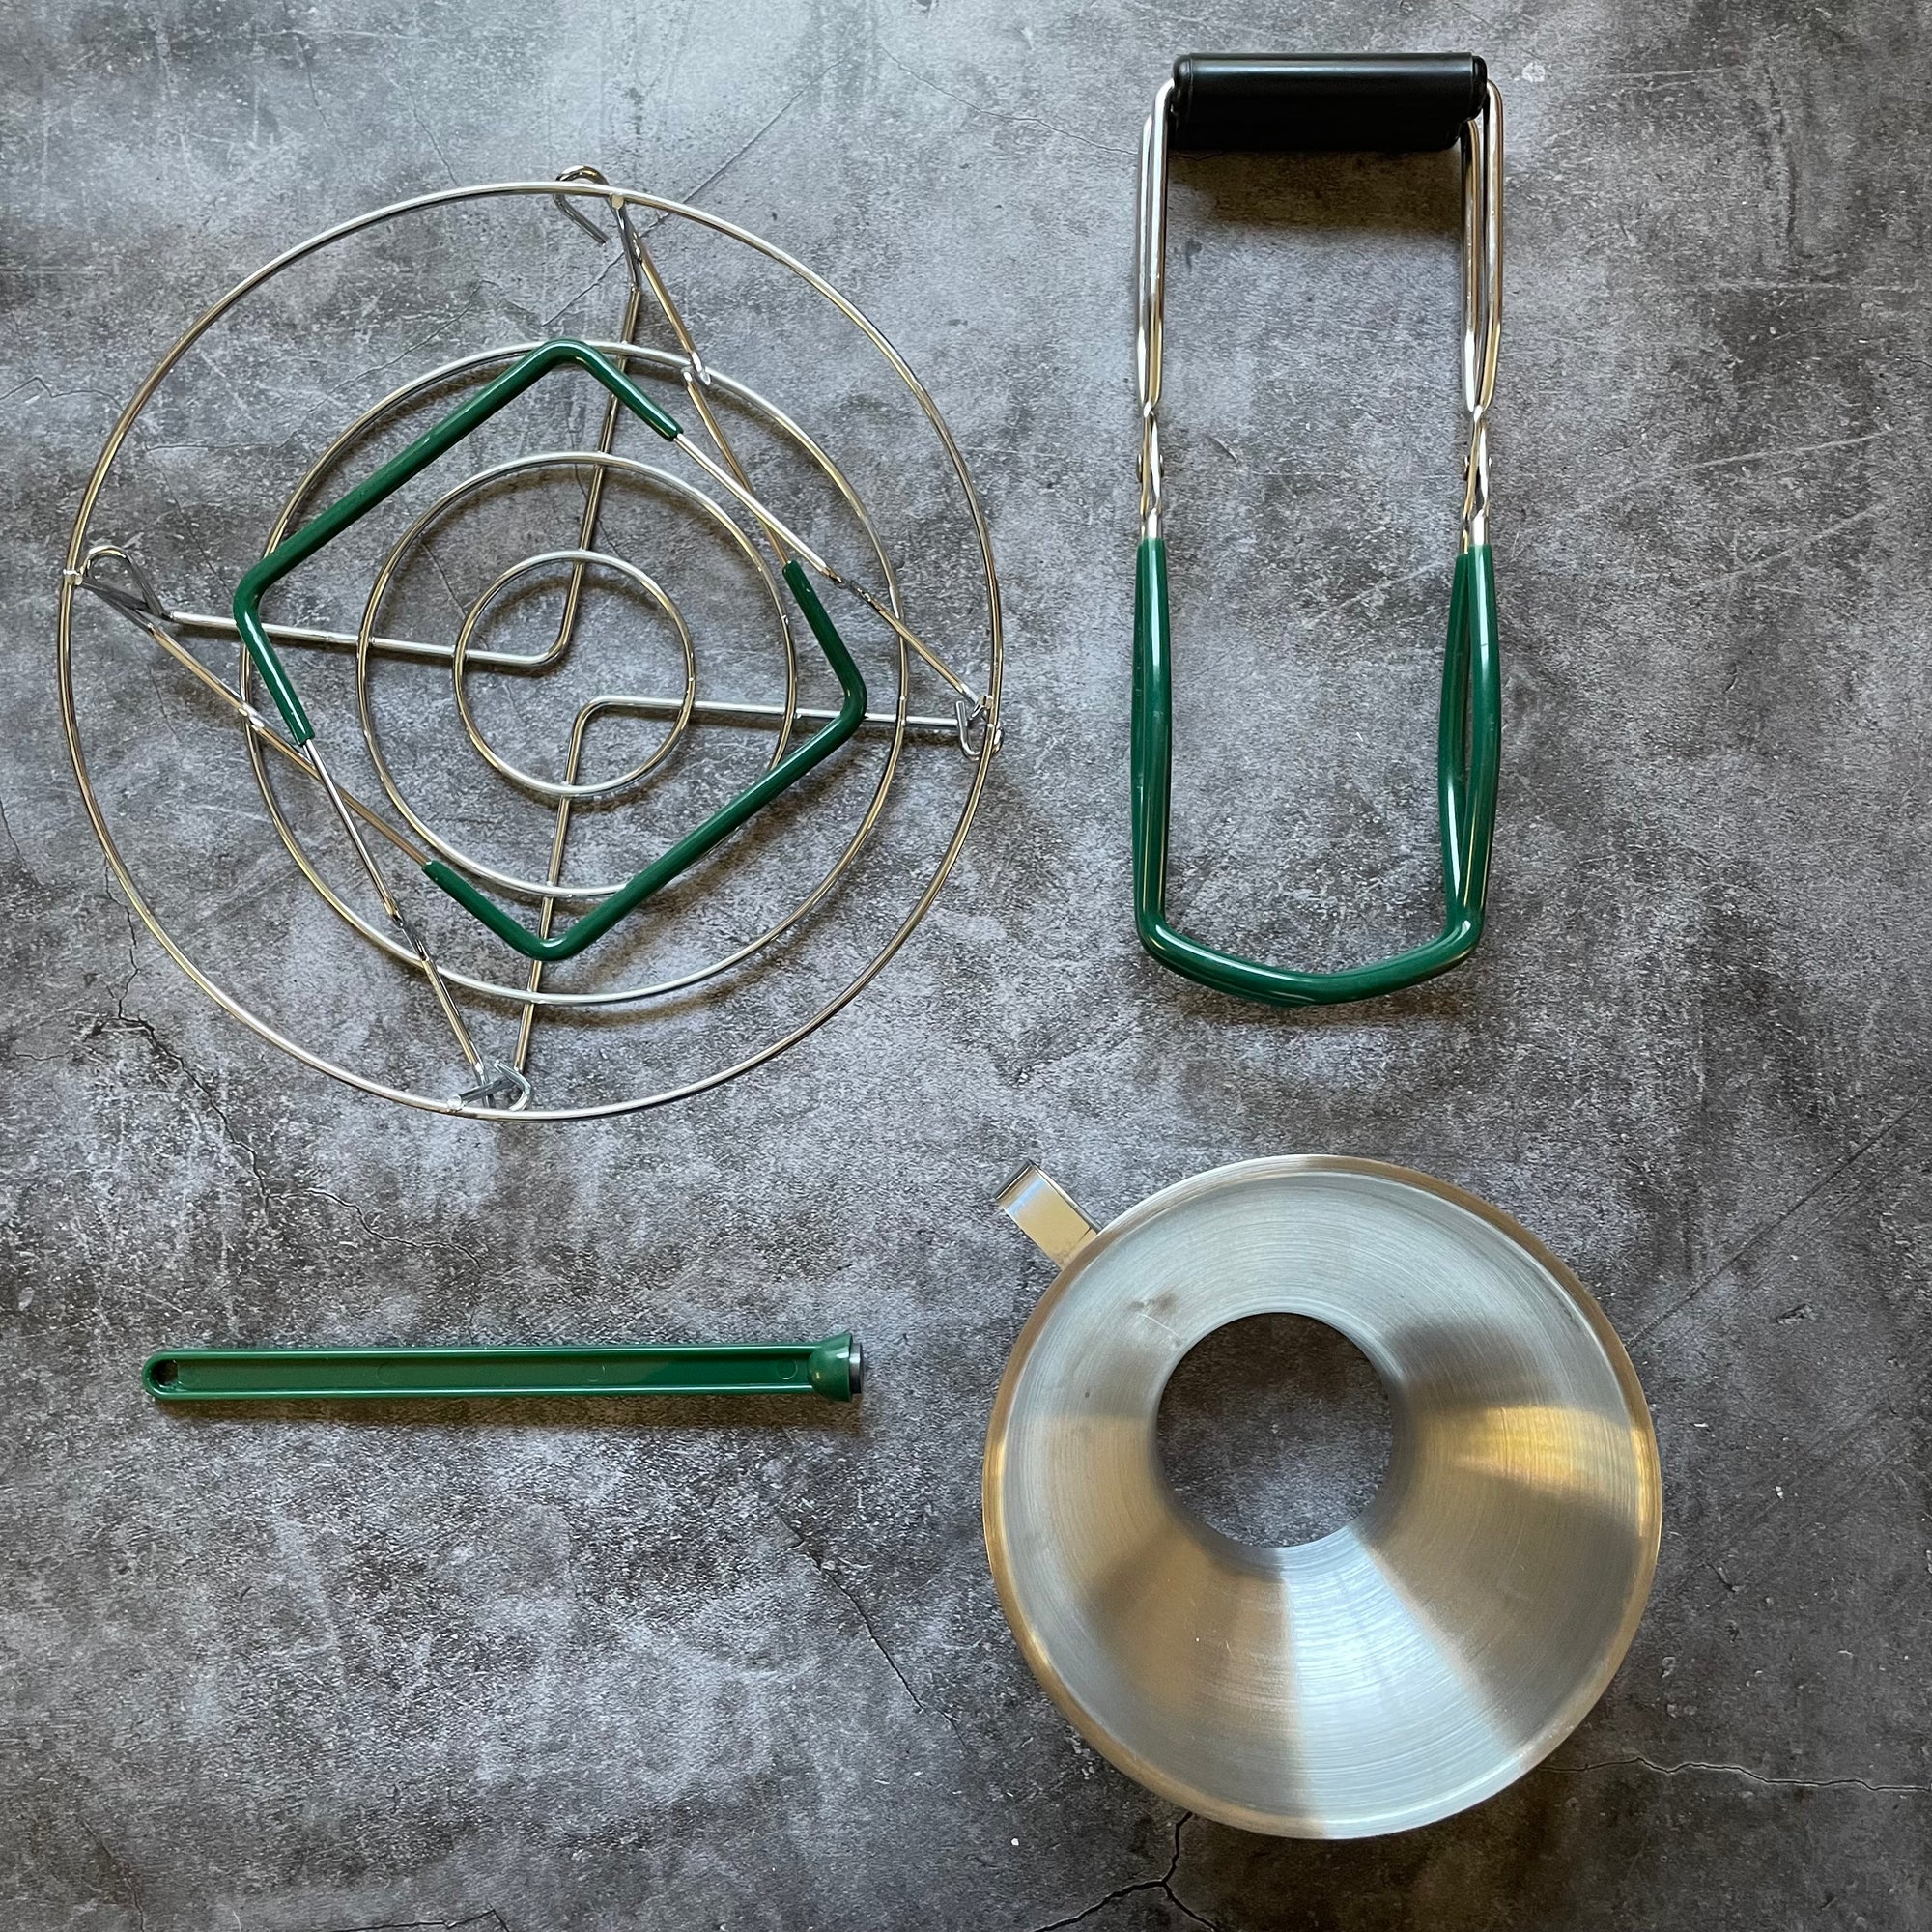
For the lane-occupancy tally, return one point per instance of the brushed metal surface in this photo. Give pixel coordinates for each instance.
(1038, 1206)
(1408, 1664)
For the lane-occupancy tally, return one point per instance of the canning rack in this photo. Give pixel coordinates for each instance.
(409, 894)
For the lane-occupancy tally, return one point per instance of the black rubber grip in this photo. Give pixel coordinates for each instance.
(1401, 103)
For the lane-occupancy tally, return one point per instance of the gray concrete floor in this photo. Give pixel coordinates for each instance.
(567, 1669)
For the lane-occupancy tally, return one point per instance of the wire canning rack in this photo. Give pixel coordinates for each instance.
(535, 663)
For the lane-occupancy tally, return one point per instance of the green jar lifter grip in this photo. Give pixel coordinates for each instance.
(1411, 103)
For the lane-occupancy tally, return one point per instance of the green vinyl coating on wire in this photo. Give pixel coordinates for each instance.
(385, 482)
(693, 846)
(1468, 751)
(832, 1369)
(390, 478)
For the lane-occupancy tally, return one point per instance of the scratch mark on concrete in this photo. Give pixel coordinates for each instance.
(1686, 1767)
(1804, 543)
(1771, 1227)
(1014, 119)
(1666, 477)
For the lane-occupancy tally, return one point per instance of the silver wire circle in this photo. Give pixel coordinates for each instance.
(545, 996)
(459, 662)
(1406, 1666)
(476, 484)
(980, 756)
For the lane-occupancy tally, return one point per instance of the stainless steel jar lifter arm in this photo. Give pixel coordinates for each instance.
(1402, 103)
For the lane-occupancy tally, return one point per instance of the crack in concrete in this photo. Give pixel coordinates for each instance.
(169, 1058)
(489, 1916)
(118, 1876)
(1777, 556)
(738, 153)
(812, 1556)
(363, 1220)
(1164, 1885)
(688, 196)
(1685, 1766)
(5, 828)
(1662, 479)
(118, 1872)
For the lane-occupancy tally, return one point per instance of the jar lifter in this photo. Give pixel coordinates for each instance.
(1405, 103)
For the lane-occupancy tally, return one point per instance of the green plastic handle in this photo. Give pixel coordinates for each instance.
(834, 1369)
(1469, 754)
(385, 482)
(693, 846)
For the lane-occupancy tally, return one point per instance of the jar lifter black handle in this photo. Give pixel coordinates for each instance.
(1401, 103)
